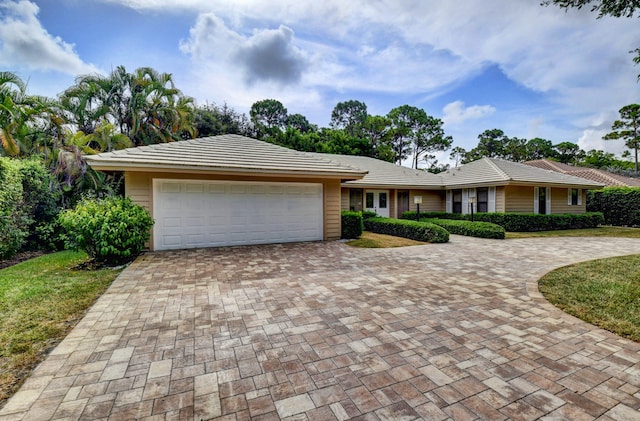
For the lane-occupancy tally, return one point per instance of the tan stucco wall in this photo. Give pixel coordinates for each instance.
(139, 187)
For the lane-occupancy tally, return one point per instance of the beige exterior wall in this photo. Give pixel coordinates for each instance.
(559, 200)
(344, 198)
(139, 187)
(500, 199)
(332, 218)
(432, 200)
(518, 199)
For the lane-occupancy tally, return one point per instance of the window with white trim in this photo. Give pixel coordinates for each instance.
(574, 197)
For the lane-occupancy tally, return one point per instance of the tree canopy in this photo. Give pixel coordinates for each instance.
(627, 128)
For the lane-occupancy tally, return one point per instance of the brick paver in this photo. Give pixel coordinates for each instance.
(326, 331)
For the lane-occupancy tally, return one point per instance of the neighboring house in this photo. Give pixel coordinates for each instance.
(234, 190)
(497, 185)
(607, 178)
(492, 185)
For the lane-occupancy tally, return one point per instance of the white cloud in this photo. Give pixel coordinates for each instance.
(577, 65)
(455, 112)
(267, 55)
(24, 43)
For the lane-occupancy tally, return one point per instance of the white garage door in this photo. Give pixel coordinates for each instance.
(195, 213)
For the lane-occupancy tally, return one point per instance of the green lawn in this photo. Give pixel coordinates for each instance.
(373, 240)
(589, 232)
(40, 301)
(603, 292)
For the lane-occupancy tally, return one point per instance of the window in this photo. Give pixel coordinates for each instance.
(482, 196)
(575, 197)
(382, 200)
(355, 199)
(369, 199)
(457, 201)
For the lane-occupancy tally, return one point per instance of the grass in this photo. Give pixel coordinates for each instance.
(603, 292)
(373, 240)
(621, 232)
(40, 301)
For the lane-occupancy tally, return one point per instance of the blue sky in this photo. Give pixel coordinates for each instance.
(531, 71)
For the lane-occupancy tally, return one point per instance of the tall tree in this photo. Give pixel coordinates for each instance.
(300, 123)
(538, 148)
(349, 116)
(144, 105)
(568, 152)
(457, 155)
(377, 129)
(414, 131)
(628, 129)
(491, 144)
(212, 120)
(12, 116)
(269, 116)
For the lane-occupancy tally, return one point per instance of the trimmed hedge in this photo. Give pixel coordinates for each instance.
(525, 222)
(468, 228)
(619, 205)
(352, 226)
(368, 214)
(414, 230)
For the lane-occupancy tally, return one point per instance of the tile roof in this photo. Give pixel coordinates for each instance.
(225, 153)
(491, 171)
(600, 176)
(385, 174)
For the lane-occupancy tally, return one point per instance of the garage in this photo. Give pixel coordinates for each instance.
(208, 213)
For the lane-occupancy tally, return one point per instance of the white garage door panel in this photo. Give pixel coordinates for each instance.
(193, 213)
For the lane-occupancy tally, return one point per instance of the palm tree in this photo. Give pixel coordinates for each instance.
(12, 118)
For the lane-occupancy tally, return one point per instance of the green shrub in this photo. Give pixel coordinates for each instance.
(619, 205)
(352, 226)
(112, 230)
(368, 214)
(468, 228)
(522, 222)
(14, 215)
(414, 230)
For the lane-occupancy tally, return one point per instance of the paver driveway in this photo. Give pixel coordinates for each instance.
(323, 331)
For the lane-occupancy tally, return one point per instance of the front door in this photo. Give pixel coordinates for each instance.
(403, 202)
(378, 201)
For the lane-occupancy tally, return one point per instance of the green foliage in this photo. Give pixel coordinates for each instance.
(414, 131)
(523, 222)
(349, 116)
(469, 228)
(14, 216)
(352, 226)
(368, 214)
(619, 205)
(213, 120)
(269, 116)
(112, 230)
(628, 129)
(419, 231)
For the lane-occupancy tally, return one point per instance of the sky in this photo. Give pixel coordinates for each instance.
(529, 70)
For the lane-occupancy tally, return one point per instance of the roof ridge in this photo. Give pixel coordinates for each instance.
(497, 168)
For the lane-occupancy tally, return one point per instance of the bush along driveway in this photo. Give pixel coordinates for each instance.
(327, 331)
